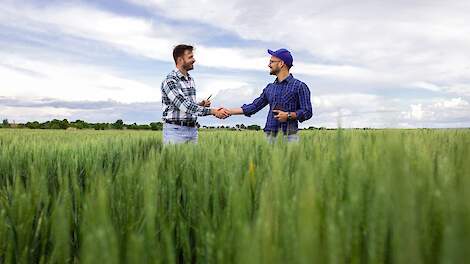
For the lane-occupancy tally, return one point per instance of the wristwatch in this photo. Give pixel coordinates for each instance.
(289, 117)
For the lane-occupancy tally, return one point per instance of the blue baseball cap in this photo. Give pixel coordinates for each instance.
(284, 55)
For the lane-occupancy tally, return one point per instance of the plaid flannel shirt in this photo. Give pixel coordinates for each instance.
(179, 98)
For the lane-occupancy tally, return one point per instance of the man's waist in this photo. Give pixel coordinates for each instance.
(275, 132)
(182, 122)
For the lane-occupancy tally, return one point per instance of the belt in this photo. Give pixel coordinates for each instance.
(182, 123)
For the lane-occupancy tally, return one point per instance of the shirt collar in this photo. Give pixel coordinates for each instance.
(286, 80)
(181, 76)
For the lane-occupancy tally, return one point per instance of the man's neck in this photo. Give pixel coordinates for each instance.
(282, 75)
(182, 70)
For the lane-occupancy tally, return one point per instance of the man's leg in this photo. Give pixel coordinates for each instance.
(191, 134)
(175, 134)
(293, 138)
(271, 137)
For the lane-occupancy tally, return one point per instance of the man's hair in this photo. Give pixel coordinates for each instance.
(179, 50)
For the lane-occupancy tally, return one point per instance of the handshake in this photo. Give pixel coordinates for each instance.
(220, 112)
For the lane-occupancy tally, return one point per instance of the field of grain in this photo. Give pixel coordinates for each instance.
(345, 196)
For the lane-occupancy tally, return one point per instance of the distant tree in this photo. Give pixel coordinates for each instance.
(253, 127)
(79, 124)
(156, 126)
(135, 126)
(33, 125)
(5, 123)
(53, 124)
(64, 124)
(132, 126)
(118, 124)
(240, 126)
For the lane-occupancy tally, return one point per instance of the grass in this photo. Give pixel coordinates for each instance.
(347, 196)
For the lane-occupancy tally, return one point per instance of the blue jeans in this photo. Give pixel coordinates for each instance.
(176, 134)
(289, 138)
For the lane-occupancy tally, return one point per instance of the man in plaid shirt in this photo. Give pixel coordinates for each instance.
(180, 109)
(288, 99)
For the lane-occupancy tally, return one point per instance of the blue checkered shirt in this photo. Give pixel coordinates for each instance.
(290, 95)
(179, 98)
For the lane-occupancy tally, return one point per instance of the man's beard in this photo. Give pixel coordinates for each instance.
(274, 71)
(188, 66)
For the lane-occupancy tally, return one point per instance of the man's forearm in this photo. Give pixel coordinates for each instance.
(236, 111)
(213, 111)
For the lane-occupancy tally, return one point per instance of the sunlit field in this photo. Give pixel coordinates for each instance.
(344, 196)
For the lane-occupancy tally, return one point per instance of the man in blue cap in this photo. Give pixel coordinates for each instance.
(288, 99)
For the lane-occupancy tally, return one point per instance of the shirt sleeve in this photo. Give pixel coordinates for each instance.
(305, 111)
(258, 104)
(173, 90)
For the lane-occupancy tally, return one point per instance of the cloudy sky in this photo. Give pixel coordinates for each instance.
(367, 63)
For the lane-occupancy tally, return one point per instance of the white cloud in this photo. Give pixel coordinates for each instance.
(24, 114)
(440, 112)
(462, 89)
(453, 103)
(416, 112)
(153, 39)
(426, 85)
(43, 109)
(135, 35)
(23, 77)
(411, 41)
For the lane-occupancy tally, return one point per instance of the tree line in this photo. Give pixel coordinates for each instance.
(119, 125)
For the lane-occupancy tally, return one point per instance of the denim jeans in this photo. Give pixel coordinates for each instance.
(272, 138)
(176, 134)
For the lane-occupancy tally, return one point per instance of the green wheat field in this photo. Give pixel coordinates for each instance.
(340, 196)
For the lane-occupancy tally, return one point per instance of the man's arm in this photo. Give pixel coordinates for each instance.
(236, 111)
(282, 116)
(305, 111)
(253, 108)
(171, 89)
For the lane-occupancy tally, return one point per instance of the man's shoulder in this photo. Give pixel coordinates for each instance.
(298, 83)
(269, 87)
(171, 77)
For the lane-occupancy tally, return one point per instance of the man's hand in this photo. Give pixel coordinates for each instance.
(281, 116)
(221, 113)
(205, 103)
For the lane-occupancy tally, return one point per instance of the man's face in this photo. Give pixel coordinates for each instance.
(275, 65)
(188, 60)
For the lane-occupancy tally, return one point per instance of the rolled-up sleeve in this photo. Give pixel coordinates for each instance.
(305, 112)
(256, 105)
